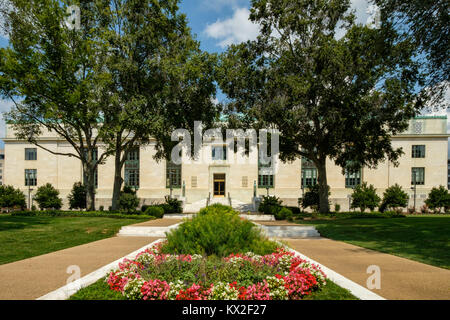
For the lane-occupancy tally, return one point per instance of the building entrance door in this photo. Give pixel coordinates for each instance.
(219, 185)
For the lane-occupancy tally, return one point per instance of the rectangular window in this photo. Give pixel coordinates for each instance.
(418, 151)
(173, 175)
(265, 181)
(418, 176)
(352, 178)
(219, 152)
(30, 153)
(30, 177)
(132, 168)
(309, 177)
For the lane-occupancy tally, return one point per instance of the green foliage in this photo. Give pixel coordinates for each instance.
(364, 196)
(283, 214)
(217, 230)
(328, 97)
(77, 197)
(156, 211)
(438, 198)
(47, 197)
(394, 197)
(86, 214)
(128, 200)
(337, 207)
(311, 198)
(427, 24)
(270, 205)
(11, 197)
(173, 205)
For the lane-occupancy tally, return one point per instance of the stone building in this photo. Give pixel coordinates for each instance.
(236, 177)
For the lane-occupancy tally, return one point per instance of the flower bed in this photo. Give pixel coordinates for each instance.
(155, 276)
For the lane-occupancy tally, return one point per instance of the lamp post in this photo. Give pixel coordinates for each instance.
(414, 188)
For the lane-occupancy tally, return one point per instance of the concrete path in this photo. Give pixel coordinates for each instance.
(165, 222)
(400, 278)
(34, 277)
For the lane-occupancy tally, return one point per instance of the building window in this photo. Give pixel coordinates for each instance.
(352, 178)
(219, 152)
(173, 175)
(418, 151)
(30, 177)
(132, 168)
(418, 176)
(309, 177)
(30, 154)
(265, 181)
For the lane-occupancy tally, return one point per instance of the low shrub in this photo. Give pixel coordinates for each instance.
(294, 210)
(217, 230)
(173, 205)
(270, 205)
(156, 211)
(87, 214)
(283, 214)
(337, 207)
(128, 200)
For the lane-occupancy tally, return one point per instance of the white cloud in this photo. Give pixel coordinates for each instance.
(234, 30)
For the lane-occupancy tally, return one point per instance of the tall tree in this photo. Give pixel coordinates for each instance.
(428, 23)
(339, 99)
(159, 78)
(53, 73)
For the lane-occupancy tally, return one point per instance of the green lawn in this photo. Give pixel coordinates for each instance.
(424, 238)
(25, 237)
(100, 291)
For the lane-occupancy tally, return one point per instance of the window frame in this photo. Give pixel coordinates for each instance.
(270, 181)
(27, 153)
(418, 151)
(173, 174)
(418, 183)
(27, 178)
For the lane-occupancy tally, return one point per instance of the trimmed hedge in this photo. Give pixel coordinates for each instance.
(86, 214)
(353, 215)
(217, 230)
(155, 211)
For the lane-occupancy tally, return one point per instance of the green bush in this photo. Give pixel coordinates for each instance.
(47, 197)
(173, 205)
(77, 197)
(283, 214)
(337, 207)
(311, 197)
(295, 210)
(217, 230)
(11, 198)
(270, 205)
(128, 200)
(438, 198)
(156, 211)
(365, 196)
(393, 198)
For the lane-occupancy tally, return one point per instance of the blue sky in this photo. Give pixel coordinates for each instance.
(216, 24)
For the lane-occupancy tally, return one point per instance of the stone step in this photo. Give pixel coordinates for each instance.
(139, 231)
(296, 232)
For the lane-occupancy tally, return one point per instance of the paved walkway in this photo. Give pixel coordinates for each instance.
(34, 277)
(400, 278)
(165, 222)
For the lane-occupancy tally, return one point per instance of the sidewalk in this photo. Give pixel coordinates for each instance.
(34, 277)
(400, 278)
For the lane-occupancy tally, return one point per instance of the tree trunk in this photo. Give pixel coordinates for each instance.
(89, 170)
(117, 179)
(324, 205)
